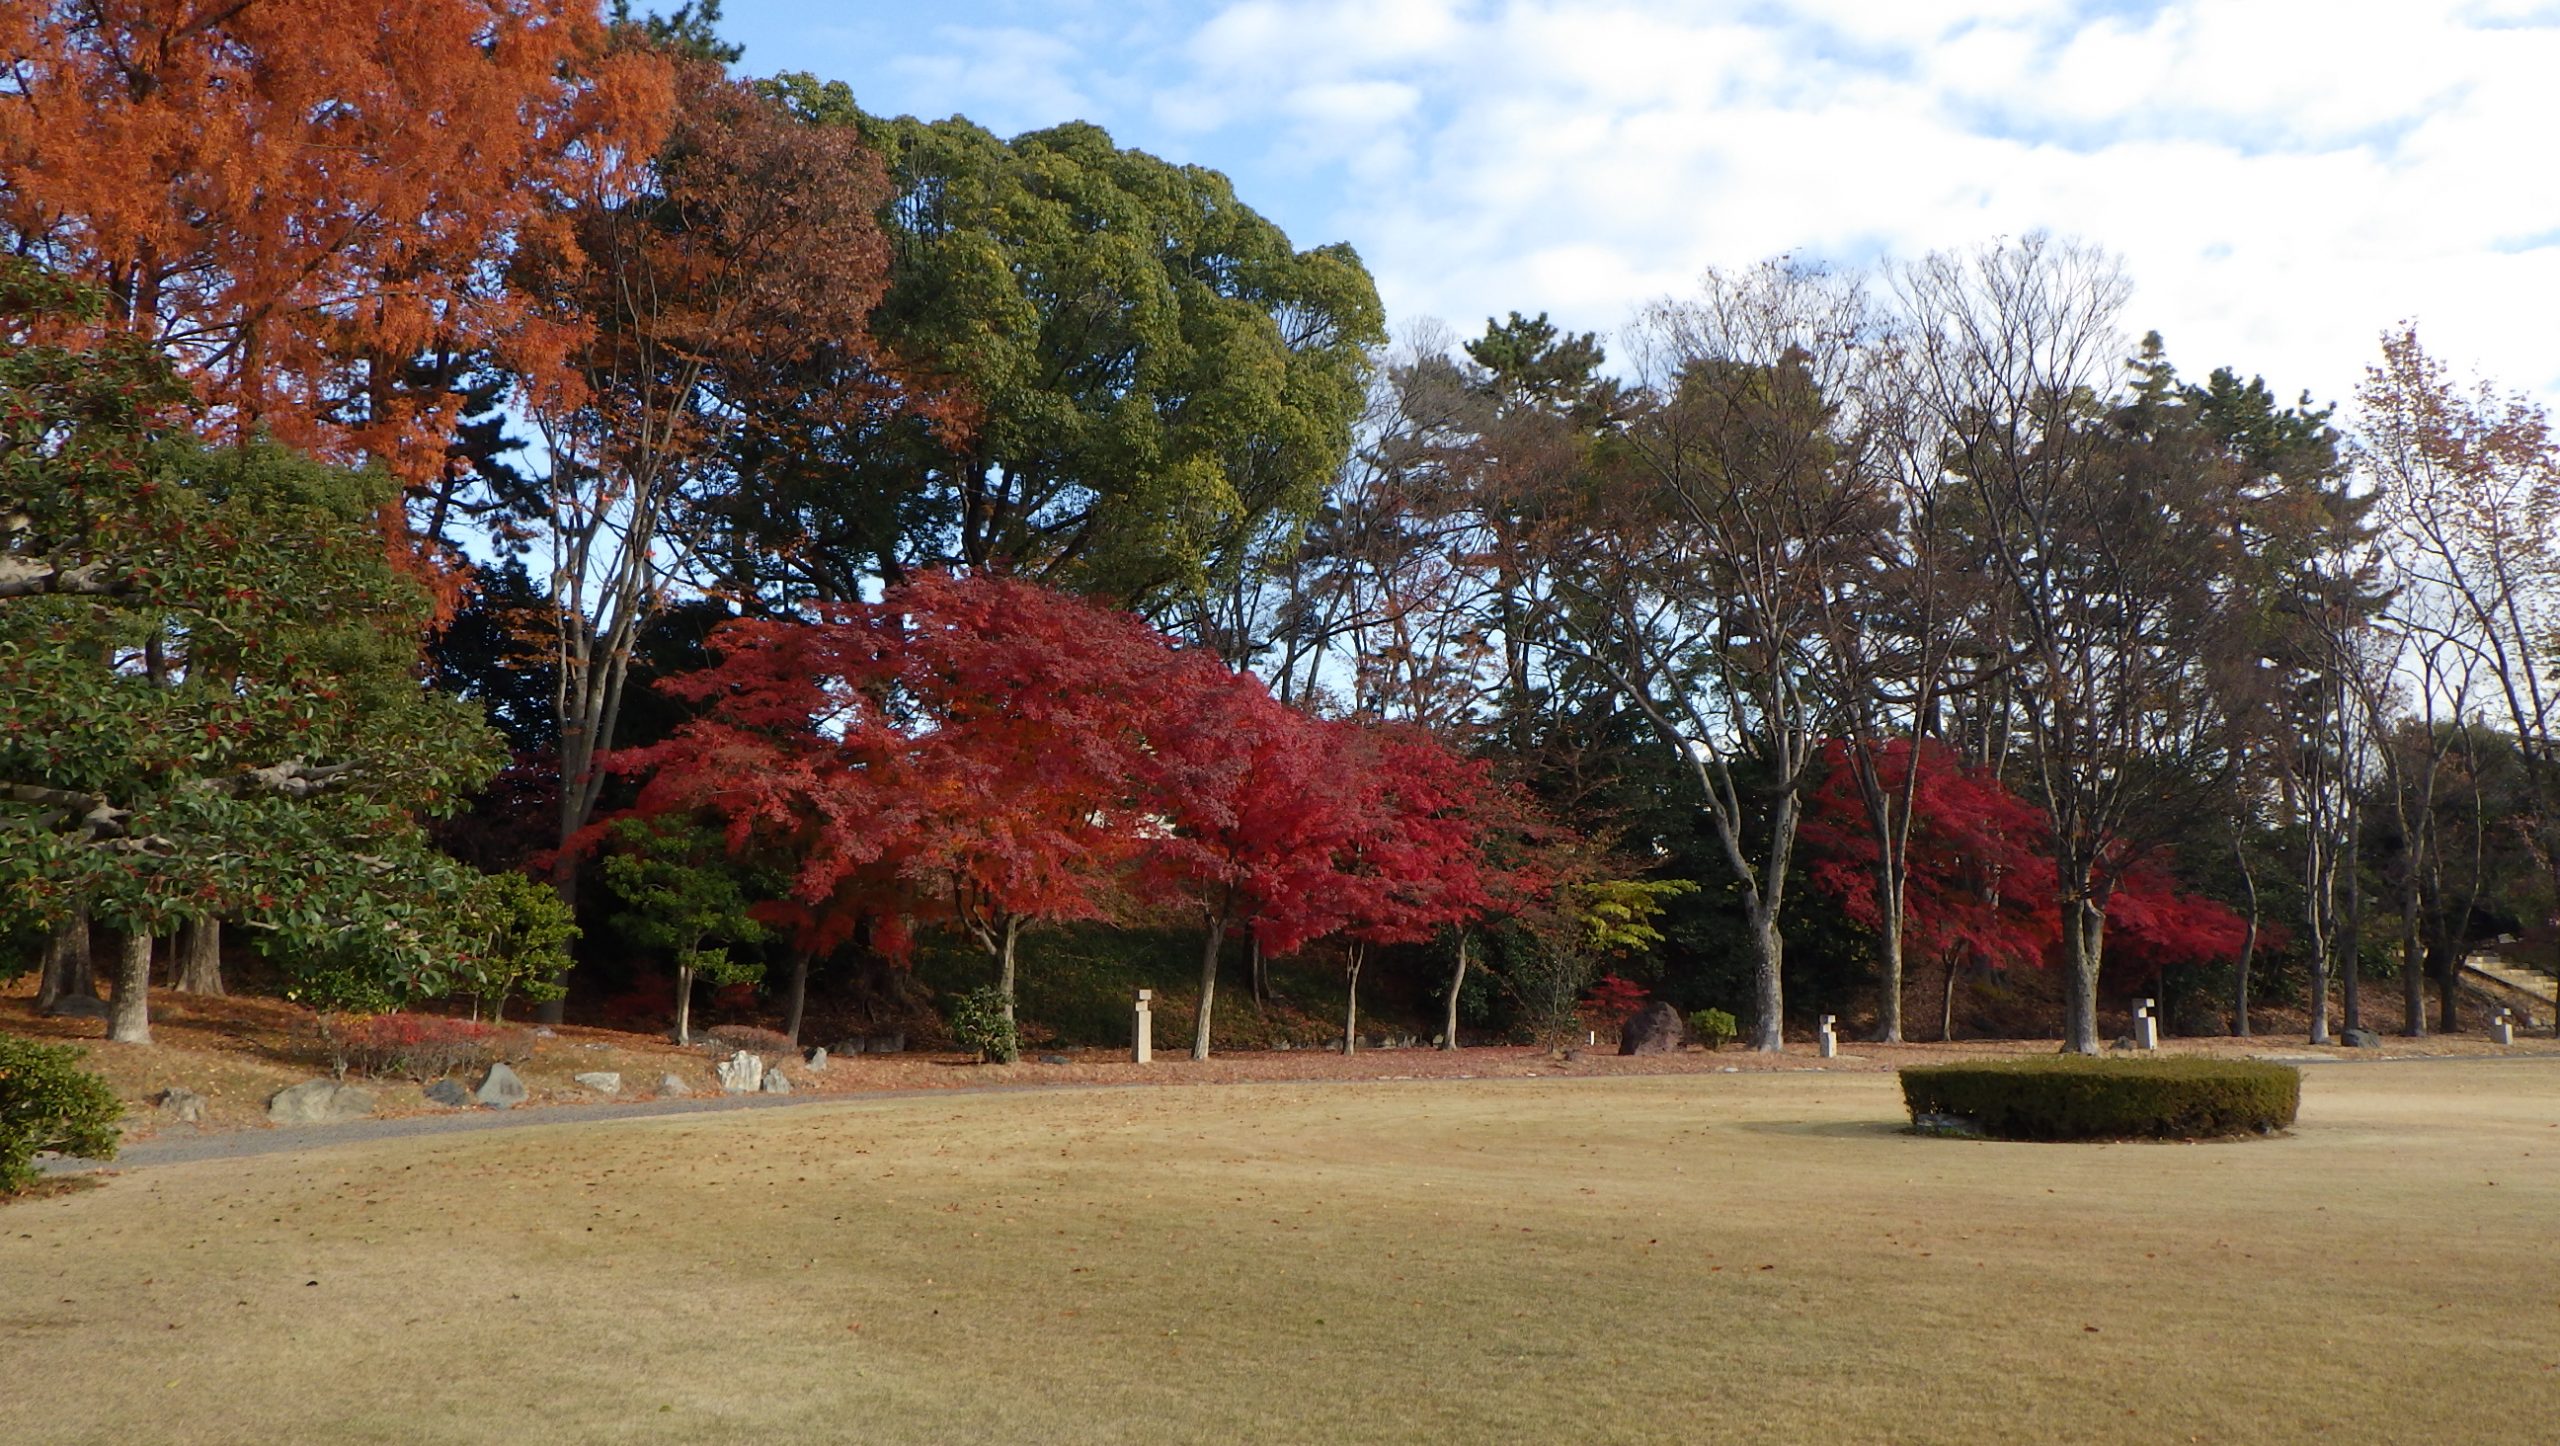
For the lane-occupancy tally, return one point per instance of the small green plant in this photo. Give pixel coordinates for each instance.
(1714, 1026)
(48, 1102)
(2074, 1097)
(980, 1026)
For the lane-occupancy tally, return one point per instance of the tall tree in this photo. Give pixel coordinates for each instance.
(306, 204)
(747, 242)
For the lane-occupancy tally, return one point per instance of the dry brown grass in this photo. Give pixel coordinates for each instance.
(1758, 1257)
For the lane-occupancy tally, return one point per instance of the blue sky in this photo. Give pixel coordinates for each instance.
(2284, 179)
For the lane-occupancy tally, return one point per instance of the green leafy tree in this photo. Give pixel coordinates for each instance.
(680, 894)
(1141, 372)
(213, 707)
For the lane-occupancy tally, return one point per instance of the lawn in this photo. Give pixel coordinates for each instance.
(1753, 1257)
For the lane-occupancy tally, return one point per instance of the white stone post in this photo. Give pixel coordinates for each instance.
(1142, 1034)
(2146, 1024)
(1827, 1039)
(2502, 1030)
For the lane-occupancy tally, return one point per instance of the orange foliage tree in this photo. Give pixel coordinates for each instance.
(307, 203)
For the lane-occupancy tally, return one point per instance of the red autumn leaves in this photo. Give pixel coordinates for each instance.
(997, 755)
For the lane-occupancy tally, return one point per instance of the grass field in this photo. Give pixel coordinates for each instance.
(1758, 1257)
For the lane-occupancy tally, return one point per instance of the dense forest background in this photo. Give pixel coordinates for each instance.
(501, 506)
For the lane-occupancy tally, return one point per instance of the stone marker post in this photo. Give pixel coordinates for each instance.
(1142, 1034)
(2502, 1030)
(1827, 1038)
(2146, 1025)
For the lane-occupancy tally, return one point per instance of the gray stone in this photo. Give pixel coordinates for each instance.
(1959, 1127)
(449, 1093)
(673, 1084)
(775, 1083)
(818, 1059)
(2361, 1039)
(1656, 1029)
(79, 1006)
(742, 1073)
(602, 1081)
(500, 1089)
(886, 1043)
(320, 1102)
(180, 1105)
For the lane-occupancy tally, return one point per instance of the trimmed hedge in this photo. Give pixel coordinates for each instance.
(48, 1102)
(2078, 1097)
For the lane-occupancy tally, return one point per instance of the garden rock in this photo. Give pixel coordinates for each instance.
(742, 1073)
(500, 1089)
(1656, 1029)
(180, 1106)
(818, 1059)
(602, 1081)
(2361, 1039)
(672, 1084)
(886, 1043)
(320, 1102)
(79, 1006)
(449, 1093)
(775, 1083)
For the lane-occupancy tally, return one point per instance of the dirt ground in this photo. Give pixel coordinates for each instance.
(238, 1052)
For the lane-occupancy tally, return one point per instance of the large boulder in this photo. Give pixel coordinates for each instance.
(449, 1093)
(500, 1088)
(2361, 1039)
(180, 1106)
(672, 1085)
(775, 1083)
(1656, 1029)
(742, 1073)
(320, 1102)
(602, 1081)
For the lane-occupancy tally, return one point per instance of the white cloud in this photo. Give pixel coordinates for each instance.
(2285, 178)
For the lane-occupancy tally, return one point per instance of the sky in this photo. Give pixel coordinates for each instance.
(2284, 179)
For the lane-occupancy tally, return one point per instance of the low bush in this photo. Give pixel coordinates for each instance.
(978, 1025)
(1714, 1028)
(731, 1038)
(2074, 1097)
(421, 1047)
(48, 1102)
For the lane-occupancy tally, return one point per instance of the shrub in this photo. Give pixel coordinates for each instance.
(1714, 1026)
(730, 1038)
(2075, 1097)
(48, 1102)
(978, 1025)
(419, 1046)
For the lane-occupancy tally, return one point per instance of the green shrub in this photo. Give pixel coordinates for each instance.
(978, 1025)
(1713, 1027)
(48, 1102)
(2075, 1097)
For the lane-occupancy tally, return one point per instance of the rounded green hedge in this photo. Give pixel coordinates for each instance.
(2077, 1097)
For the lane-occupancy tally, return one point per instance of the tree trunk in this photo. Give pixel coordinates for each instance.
(67, 969)
(1209, 949)
(1012, 932)
(1947, 1002)
(564, 882)
(2084, 927)
(1888, 953)
(797, 1002)
(1768, 954)
(2248, 943)
(130, 1021)
(2351, 927)
(1261, 970)
(2318, 873)
(199, 952)
(684, 1004)
(1351, 1009)
(1457, 981)
(2448, 974)
(2413, 963)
